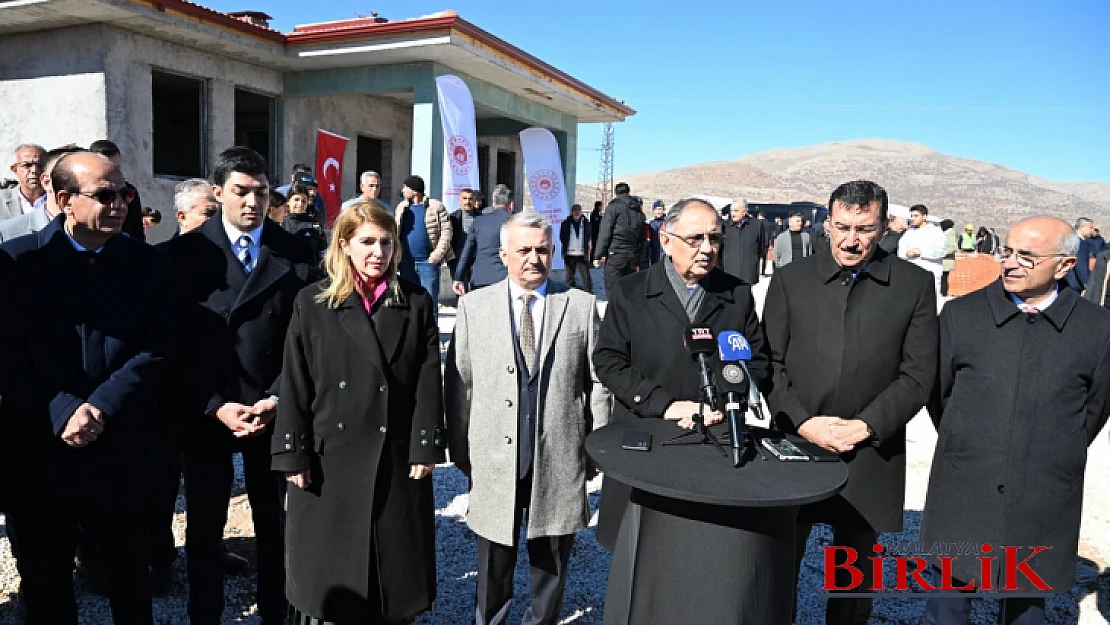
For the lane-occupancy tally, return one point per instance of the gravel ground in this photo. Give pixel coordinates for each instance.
(1087, 604)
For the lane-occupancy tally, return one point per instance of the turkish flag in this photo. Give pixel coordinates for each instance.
(329, 171)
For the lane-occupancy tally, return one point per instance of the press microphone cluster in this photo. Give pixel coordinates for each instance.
(737, 387)
(701, 345)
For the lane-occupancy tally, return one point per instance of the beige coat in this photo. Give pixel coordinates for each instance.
(480, 394)
(439, 229)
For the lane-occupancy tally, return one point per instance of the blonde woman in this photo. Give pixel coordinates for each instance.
(359, 430)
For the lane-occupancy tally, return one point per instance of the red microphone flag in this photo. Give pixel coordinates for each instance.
(329, 171)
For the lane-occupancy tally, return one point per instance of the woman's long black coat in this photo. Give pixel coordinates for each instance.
(360, 400)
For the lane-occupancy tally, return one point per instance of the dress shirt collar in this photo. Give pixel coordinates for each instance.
(234, 233)
(1043, 305)
(515, 290)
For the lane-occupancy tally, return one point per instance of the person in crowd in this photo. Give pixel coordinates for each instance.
(300, 176)
(574, 237)
(924, 244)
(967, 239)
(658, 217)
(646, 259)
(984, 241)
(595, 222)
(75, 422)
(359, 431)
(793, 244)
(951, 245)
(620, 240)
(769, 234)
(820, 235)
(425, 229)
(898, 217)
(236, 278)
(1009, 464)
(546, 405)
(1097, 244)
(780, 227)
(873, 315)
(742, 246)
(302, 224)
(642, 359)
(370, 186)
(151, 218)
(461, 222)
(24, 197)
(133, 226)
(1079, 275)
(479, 202)
(278, 205)
(481, 264)
(193, 203)
(46, 210)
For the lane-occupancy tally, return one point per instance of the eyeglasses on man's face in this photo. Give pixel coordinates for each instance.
(1026, 258)
(108, 196)
(695, 240)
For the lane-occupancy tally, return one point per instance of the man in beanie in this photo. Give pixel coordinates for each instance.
(425, 232)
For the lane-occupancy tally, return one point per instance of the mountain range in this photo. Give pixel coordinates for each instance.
(962, 189)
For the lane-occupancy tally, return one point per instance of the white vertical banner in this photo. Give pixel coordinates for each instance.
(544, 169)
(460, 141)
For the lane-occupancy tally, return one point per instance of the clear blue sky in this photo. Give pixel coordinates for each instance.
(1019, 83)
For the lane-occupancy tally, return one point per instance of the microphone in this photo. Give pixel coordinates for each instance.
(699, 342)
(737, 387)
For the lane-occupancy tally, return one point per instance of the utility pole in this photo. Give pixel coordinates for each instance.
(605, 175)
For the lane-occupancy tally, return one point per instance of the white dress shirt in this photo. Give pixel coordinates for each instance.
(1045, 304)
(538, 306)
(255, 248)
(929, 239)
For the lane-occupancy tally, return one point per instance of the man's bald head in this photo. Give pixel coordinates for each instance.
(1039, 252)
(91, 192)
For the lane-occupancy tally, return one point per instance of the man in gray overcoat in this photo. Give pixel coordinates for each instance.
(521, 396)
(1024, 388)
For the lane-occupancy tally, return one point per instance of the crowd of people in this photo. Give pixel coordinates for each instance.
(315, 355)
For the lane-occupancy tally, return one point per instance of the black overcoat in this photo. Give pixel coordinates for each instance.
(856, 348)
(233, 325)
(1020, 399)
(741, 249)
(361, 399)
(641, 358)
(95, 328)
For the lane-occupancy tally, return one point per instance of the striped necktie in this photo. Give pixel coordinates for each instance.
(527, 331)
(245, 258)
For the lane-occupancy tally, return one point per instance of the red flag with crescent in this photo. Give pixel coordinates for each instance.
(329, 171)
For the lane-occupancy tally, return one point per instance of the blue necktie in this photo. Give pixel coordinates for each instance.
(245, 253)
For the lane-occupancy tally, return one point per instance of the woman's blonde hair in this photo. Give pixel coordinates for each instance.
(338, 264)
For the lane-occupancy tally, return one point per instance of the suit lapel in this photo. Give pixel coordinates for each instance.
(554, 310)
(269, 269)
(715, 297)
(352, 316)
(659, 289)
(391, 323)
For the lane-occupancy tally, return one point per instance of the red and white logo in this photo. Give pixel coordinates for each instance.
(459, 155)
(544, 185)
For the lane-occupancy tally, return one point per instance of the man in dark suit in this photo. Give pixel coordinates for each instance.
(236, 277)
(769, 235)
(621, 237)
(574, 237)
(853, 336)
(78, 423)
(1024, 388)
(642, 359)
(743, 245)
(480, 264)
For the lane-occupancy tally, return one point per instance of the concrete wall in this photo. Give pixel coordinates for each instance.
(128, 60)
(349, 116)
(52, 89)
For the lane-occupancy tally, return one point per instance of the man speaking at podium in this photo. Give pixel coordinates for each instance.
(641, 358)
(853, 336)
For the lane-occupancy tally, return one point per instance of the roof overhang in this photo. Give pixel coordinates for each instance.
(444, 38)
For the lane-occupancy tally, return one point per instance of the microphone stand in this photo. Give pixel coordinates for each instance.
(699, 428)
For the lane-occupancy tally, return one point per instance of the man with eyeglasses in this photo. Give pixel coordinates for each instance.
(22, 198)
(1023, 389)
(75, 423)
(642, 359)
(853, 336)
(744, 245)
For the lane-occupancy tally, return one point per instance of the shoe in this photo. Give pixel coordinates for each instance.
(161, 581)
(234, 564)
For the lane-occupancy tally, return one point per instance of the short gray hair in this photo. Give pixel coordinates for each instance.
(678, 207)
(1082, 221)
(24, 146)
(526, 219)
(1069, 244)
(185, 189)
(742, 202)
(366, 175)
(501, 196)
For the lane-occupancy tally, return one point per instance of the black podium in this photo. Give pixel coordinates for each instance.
(704, 542)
